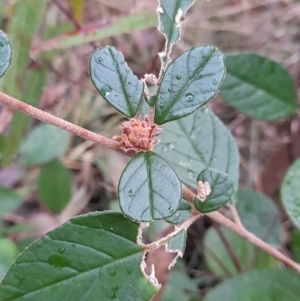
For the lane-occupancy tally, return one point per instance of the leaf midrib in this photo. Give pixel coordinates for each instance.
(79, 274)
(190, 80)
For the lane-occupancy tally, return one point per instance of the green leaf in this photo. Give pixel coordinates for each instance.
(259, 215)
(9, 200)
(220, 190)
(189, 82)
(5, 53)
(179, 286)
(248, 256)
(140, 19)
(8, 253)
(177, 243)
(267, 285)
(91, 257)
(295, 244)
(149, 189)
(54, 186)
(183, 212)
(19, 126)
(198, 142)
(258, 87)
(290, 193)
(115, 81)
(44, 143)
(171, 15)
(21, 30)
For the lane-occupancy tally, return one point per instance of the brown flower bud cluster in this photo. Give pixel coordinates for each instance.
(138, 135)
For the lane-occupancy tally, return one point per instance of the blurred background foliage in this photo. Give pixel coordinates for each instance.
(47, 176)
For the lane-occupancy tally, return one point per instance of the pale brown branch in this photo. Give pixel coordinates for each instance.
(58, 122)
(241, 231)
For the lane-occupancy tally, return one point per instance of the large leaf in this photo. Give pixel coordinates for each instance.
(115, 81)
(149, 189)
(258, 87)
(5, 53)
(139, 19)
(259, 215)
(54, 186)
(197, 142)
(9, 200)
(34, 84)
(248, 256)
(171, 14)
(267, 285)
(220, 190)
(189, 82)
(91, 257)
(44, 143)
(290, 193)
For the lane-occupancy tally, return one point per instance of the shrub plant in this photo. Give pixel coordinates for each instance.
(184, 164)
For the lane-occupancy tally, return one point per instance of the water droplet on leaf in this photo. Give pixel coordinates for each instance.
(99, 59)
(113, 272)
(169, 89)
(131, 193)
(61, 251)
(104, 90)
(178, 77)
(171, 209)
(215, 82)
(189, 97)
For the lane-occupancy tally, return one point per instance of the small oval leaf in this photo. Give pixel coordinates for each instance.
(55, 186)
(290, 193)
(189, 82)
(258, 87)
(5, 53)
(215, 189)
(182, 213)
(9, 200)
(44, 143)
(115, 81)
(149, 188)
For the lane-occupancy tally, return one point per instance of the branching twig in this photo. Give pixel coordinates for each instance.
(187, 193)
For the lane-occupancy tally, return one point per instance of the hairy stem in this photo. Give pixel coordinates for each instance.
(187, 193)
(58, 122)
